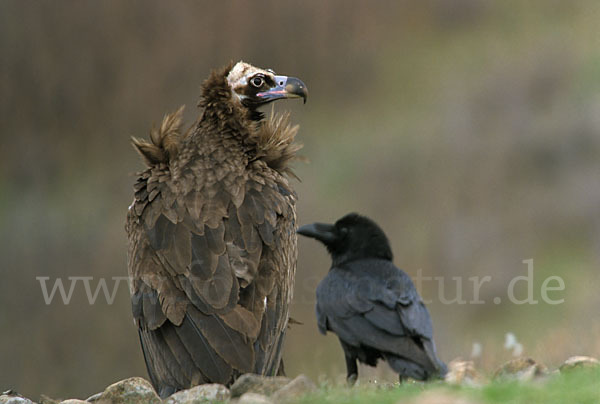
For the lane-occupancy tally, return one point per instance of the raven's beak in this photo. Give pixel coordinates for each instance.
(285, 87)
(323, 232)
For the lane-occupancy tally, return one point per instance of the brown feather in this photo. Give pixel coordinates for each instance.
(243, 321)
(275, 143)
(228, 343)
(164, 141)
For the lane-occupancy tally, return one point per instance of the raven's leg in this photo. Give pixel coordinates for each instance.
(352, 370)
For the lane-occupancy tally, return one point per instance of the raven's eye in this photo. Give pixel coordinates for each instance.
(344, 231)
(257, 81)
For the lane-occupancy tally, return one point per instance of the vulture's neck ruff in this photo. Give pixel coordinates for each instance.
(231, 97)
(230, 100)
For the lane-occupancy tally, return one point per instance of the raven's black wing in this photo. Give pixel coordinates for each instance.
(371, 303)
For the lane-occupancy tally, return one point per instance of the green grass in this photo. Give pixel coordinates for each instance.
(575, 387)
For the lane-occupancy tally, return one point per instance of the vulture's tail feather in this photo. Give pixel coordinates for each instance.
(162, 365)
(204, 356)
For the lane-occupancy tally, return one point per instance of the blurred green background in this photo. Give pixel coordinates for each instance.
(469, 129)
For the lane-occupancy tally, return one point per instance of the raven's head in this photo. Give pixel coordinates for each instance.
(254, 87)
(352, 237)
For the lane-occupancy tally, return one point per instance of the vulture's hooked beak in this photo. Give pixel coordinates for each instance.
(285, 87)
(323, 232)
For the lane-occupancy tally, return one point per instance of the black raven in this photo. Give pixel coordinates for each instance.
(371, 305)
(212, 246)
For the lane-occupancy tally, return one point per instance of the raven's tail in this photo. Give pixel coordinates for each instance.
(434, 368)
(440, 367)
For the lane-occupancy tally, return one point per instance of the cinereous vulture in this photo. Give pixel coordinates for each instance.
(211, 232)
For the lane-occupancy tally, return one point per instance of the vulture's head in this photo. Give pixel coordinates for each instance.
(254, 87)
(351, 238)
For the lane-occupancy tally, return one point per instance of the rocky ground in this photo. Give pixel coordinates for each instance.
(255, 389)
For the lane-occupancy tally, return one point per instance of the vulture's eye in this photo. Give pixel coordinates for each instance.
(257, 81)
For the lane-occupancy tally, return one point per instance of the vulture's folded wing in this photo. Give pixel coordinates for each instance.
(205, 267)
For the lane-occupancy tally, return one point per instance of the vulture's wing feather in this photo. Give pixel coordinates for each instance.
(205, 275)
